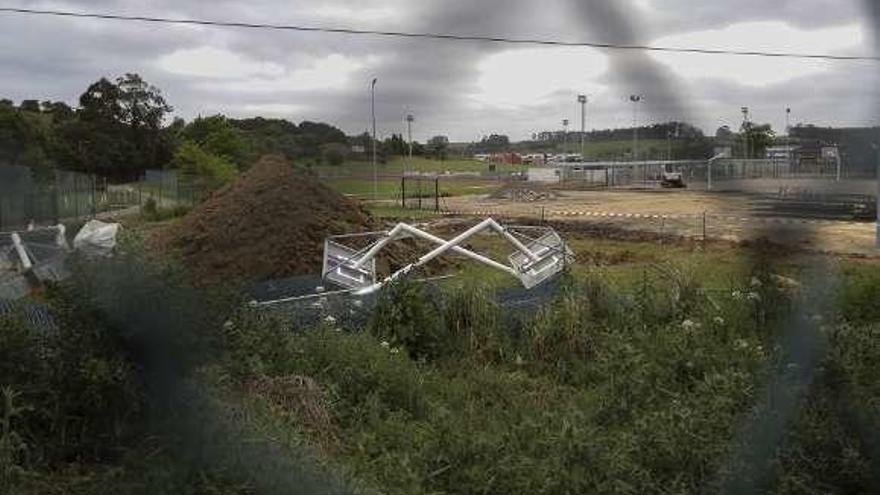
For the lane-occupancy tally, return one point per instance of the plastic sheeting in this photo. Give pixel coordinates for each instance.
(96, 238)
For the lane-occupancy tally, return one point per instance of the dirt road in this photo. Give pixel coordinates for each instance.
(729, 216)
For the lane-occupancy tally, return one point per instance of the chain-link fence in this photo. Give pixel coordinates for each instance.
(66, 195)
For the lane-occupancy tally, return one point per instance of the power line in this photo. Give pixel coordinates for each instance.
(428, 35)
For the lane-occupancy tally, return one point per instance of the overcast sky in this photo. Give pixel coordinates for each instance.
(461, 89)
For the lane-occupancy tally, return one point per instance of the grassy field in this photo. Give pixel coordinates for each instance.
(398, 165)
(390, 188)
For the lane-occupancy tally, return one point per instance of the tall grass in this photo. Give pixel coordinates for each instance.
(640, 388)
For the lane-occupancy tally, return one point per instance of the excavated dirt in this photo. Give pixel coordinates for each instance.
(271, 223)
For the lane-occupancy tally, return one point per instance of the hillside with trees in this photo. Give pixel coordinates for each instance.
(121, 128)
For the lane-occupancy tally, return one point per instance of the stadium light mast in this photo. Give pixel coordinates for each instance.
(582, 99)
(636, 99)
(565, 140)
(373, 113)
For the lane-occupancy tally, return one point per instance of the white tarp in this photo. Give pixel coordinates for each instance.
(96, 238)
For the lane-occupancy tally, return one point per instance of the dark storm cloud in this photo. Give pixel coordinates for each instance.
(438, 81)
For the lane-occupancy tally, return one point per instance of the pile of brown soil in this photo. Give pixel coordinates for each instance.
(270, 223)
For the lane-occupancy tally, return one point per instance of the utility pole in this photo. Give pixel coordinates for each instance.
(582, 99)
(747, 148)
(373, 113)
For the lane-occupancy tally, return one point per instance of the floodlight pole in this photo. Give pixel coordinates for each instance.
(635, 99)
(565, 123)
(373, 113)
(582, 99)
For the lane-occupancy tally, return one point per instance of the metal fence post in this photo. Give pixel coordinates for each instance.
(704, 226)
(403, 191)
(436, 194)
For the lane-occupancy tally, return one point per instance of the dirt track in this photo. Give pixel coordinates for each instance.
(729, 216)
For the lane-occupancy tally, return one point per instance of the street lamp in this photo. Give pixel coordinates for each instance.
(582, 99)
(373, 113)
(745, 112)
(635, 99)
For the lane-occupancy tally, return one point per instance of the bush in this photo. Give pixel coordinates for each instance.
(213, 170)
(859, 294)
(334, 153)
(407, 316)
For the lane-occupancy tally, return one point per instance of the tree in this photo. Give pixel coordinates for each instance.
(30, 106)
(759, 138)
(396, 145)
(216, 135)
(494, 143)
(334, 153)
(438, 146)
(211, 170)
(119, 129)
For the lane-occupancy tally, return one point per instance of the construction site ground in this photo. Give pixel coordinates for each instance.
(727, 216)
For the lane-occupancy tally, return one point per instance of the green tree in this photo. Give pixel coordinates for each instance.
(216, 135)
(119, 128)
(334, 153)
(438, 147)
(759, 137)
(211, 170)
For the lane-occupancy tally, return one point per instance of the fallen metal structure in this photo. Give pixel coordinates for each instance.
(540, 254)
(28, 257)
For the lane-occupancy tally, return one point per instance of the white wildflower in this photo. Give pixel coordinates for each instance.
(330, 319)
(385, 344)
(395, 350)
(228, 325)
(736, 295)
(718, 320)
(688, 325)
(741, 344)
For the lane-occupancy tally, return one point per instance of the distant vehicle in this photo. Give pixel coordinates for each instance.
(671, 178)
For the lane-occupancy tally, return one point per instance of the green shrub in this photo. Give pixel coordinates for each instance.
(859, 294)
(406, 316)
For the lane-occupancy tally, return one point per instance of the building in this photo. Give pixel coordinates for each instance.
(785, 152)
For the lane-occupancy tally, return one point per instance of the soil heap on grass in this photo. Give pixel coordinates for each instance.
(271, 223)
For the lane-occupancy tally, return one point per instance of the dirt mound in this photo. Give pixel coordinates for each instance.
(269, 223)
(524, 192)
